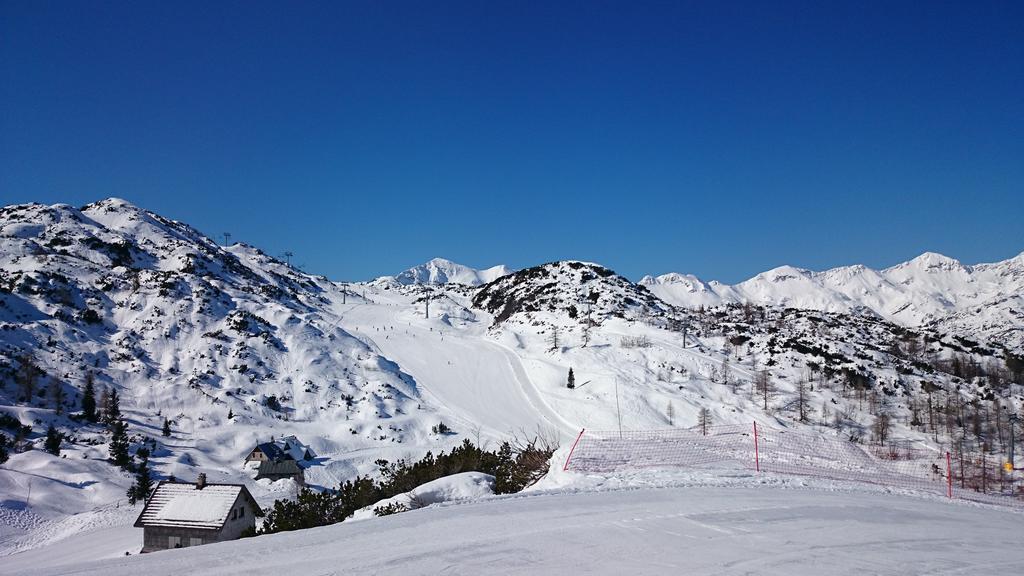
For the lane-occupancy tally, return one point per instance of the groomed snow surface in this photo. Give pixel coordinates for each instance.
(735, 527)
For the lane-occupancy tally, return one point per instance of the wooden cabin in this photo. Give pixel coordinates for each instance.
(182, 514)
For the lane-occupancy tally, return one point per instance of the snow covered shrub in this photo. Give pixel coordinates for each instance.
(389, 509)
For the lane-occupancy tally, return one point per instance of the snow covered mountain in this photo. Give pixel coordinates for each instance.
(927, 289)
(234, 346)
(229, 344)
(441, 271)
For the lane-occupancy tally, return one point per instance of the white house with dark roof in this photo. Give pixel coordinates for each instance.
(182, 514)
(288, 447)
(266, 452)
(296, 449)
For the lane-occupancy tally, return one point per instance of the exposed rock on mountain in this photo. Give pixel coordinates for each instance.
(575, 288)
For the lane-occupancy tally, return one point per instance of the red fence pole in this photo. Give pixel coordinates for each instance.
(949, 476)
(569, 457)
(757, 454)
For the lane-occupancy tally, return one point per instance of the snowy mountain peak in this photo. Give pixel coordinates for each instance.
(931, 261)
(442, 271)
(671, 278)
(784, 273)
(114, 203)
(567, 287)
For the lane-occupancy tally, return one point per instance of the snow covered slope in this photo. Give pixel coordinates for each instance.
(441, 271)
(230, 345)
(681, 530)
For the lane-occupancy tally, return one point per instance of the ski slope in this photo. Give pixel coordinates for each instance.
(474, 382)
(675, 530)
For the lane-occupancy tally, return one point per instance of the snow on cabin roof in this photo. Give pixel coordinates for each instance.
(181, 504)
(296, 448)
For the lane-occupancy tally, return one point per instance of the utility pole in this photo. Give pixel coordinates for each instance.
(288, 257)
(227, 238)
(618, 412)
(426, 308)
(1012, 420)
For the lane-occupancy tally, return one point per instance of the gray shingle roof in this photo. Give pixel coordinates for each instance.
(181, 504)
(290, 467)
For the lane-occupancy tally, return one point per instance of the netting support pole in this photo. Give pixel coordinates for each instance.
(571, 450)
(757, 454)
(949, 476)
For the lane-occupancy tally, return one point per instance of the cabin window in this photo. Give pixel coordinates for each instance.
(241, 511)
(234, 514)
(195, 541)
(174, 541)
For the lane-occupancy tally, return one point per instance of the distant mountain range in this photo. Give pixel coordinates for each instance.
(922, 290)
(984, 299)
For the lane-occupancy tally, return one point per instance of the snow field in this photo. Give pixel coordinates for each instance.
(696, 529)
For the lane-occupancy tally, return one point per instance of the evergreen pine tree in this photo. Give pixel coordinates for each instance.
(101, 413)
(26, 376)
(3, 448)
(119, 445)
(571, 383)
(231, 414)
(52, 443)
(143, 481)
(167, 427)
(112, 411)
(56, 392)
(89, 398)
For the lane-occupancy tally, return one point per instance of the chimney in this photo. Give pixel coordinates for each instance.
(201, 481)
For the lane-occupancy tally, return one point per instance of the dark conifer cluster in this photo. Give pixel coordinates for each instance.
(513, 468)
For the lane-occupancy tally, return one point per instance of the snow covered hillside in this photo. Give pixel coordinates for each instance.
(228, 344)
(929, 288)
(233, 346)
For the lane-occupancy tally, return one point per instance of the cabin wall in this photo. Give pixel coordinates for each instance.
(233, 528)
(299, 478)
(158, 537)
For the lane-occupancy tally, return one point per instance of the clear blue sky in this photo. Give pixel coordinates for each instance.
(715, 138)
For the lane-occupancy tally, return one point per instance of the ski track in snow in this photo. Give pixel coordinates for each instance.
(465, 374)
